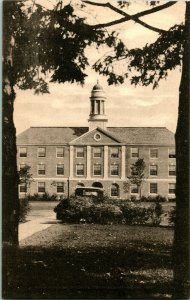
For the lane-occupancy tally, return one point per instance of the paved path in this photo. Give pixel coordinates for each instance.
(40, 217)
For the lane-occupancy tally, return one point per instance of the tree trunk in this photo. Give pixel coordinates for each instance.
(10, 205)
(181, 235)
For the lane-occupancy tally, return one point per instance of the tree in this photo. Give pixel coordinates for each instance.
(148, 66)
(25, 177)
(56, 44)
(137, 174)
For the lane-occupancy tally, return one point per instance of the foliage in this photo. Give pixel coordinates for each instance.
(147, 65)
(88, 210)
(42, 197)
(157, 198)
(138, 214)
(137, 173)
(55, 47)
(24, 209)
(172, 216)
(25, 176)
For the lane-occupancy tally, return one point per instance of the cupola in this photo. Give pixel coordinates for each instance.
(97, 117)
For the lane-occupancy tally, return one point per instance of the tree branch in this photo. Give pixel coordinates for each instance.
(128, 17)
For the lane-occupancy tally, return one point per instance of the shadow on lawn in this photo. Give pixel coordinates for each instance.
(136, 271)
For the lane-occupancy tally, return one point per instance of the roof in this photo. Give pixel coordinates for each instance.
(126, 135)
(144, 135)
(97, 86)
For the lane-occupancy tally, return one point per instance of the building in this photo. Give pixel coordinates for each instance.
(62, 158)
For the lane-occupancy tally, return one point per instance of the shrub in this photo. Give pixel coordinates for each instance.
(158, 198)
(136, 214)
(157, 211)
(107, 214)
(42, 197)
(111, 211)
(24, 209)
(172, 216)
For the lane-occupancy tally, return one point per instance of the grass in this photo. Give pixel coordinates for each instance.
(93, 262)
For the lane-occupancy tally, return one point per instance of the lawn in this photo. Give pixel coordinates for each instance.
(90, 261)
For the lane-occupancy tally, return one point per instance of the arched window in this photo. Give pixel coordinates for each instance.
(97, 184)
(114, 190)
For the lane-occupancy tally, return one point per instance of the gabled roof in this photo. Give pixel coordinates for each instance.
(88, 138)
(125, 135)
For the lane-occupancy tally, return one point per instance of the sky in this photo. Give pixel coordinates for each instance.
(126, 105)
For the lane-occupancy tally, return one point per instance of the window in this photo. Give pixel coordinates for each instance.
(80, 152)
(114, 190)
(23, 152)
(153, 153)
(172, 153)
(172, 170)
(80, 170)
(153, 170)
(60, 187)
(134, 189)
(97, 152)
(41, 187)
(41, 152)
(153, 188)
(114, 152)
(171, 188)
(60, 169)
(97, 137)
(41, 169)
(97, 170)
(114, 170)
(60, 152)
(134, 152)
(22, 188)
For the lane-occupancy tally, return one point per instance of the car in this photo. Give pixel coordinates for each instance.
(79, 192)
(89, 191)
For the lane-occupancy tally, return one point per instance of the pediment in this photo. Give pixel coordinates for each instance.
(96, 136)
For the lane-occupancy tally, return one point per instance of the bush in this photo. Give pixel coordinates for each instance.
(112, 211)
(157, 211)
(24, 209)
(136, 214)
(107, 214)
(158, 198)
(42, 197)
(172, 216)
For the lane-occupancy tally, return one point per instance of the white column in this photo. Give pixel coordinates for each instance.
(105, 162)
(88, 162)
(123, 162)
(71, 162)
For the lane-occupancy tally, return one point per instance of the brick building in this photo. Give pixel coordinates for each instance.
(62, 158)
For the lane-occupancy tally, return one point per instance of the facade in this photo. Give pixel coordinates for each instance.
(62, 158)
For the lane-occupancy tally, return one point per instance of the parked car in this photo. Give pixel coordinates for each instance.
(89, 191)
(79, 192)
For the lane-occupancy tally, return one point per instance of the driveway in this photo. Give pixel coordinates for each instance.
(40, 217)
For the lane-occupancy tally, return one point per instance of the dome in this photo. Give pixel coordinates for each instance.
(97, 86)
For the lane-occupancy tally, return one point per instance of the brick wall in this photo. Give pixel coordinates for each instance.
(50, 161)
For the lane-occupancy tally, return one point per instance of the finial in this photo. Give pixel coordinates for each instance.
(97, 81)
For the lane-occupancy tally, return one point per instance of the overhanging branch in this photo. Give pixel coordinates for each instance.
(128, 17)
